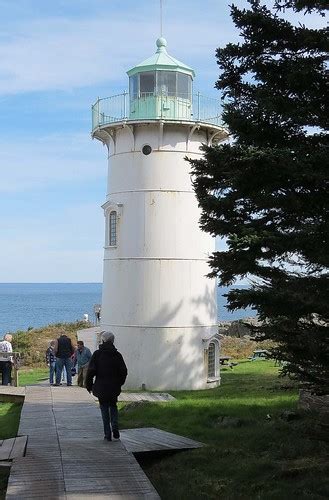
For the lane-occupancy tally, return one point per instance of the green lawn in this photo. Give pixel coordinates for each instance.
(30, 376)
(9, 421)
(254, 454)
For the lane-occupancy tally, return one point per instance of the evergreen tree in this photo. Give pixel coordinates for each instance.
(266, 192)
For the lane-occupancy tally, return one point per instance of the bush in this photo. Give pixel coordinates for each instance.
(242, 347)
(33, 343)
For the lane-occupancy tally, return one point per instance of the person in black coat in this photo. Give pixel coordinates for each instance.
(109, 370)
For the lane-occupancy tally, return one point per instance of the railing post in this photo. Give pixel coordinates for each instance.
(124, 104)
(198, 106)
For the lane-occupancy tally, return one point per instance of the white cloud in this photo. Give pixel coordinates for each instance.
(55, 53)
(52, 53)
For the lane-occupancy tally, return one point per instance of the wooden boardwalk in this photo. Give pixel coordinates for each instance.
(66, 455)
(11, 394)
(149, 439)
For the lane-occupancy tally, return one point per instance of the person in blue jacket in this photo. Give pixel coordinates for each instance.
(82, 357)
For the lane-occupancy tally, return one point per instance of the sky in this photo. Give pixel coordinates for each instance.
(56, 58)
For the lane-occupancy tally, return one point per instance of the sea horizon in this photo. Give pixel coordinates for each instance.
(26, 305)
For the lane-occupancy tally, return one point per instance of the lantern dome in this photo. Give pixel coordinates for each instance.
(161, 60)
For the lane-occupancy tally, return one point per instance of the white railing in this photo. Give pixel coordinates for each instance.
(144, 106)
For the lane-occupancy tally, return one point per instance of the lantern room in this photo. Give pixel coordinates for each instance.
(160, 87)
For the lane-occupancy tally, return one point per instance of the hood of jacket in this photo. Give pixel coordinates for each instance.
(108, 347)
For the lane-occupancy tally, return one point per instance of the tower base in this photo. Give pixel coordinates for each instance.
(165, 358)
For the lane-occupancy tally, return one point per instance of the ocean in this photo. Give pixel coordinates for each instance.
(25, 305)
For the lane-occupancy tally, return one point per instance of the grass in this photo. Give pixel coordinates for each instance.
(30, 376)
(9, 421)
(253, 454)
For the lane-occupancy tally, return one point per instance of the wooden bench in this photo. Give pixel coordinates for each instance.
(226, 361)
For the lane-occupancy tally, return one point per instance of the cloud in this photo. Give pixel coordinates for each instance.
(49, 51)
(56, 53)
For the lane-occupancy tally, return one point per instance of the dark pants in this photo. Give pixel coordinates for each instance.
(109, 413)
(60, 363)
(5, 369)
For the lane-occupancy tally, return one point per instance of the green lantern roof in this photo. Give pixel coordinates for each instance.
(161, 60)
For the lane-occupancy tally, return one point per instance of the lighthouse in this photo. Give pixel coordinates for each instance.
(157, 298)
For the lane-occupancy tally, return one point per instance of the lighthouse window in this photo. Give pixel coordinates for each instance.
(113, 229)
(166, 83)
(147, 82)
(133, 83)
(183, 86)
(211, 360)
(146, 150)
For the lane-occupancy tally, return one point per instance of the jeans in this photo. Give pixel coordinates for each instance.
(109, 413)
(60, 364)
(52, 368)
(5, 369)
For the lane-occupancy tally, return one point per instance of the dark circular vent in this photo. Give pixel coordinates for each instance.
(147, 149)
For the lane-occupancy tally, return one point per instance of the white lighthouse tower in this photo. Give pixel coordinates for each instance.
(157, 299)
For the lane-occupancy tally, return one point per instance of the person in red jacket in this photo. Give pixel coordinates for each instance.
(107, 372)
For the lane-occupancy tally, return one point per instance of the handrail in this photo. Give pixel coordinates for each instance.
(156, 105)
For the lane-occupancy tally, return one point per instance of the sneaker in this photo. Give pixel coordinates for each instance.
(108, 438)
(116, 434)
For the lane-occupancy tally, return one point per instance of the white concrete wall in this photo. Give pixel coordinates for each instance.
(156, 297)
(164, 358)
(89, 336)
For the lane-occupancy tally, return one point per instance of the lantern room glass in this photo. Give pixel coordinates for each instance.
(166, 83)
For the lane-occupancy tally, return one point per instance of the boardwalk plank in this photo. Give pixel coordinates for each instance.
(5, 464)
(6, 448)
(18, 450)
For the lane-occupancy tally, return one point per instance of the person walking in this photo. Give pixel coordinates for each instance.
(82, 357)
(64, 350)
(6, 361)
(109, 370)
(51, 361)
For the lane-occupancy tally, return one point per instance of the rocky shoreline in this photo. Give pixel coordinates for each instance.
(238, 328)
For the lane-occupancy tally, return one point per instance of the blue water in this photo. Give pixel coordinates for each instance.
(24, 305)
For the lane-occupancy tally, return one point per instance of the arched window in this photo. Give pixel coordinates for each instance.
(212, 360)
(113, 228)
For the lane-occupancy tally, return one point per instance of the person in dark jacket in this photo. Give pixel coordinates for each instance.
(64, 350)
(110, 372)
(51, 361)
